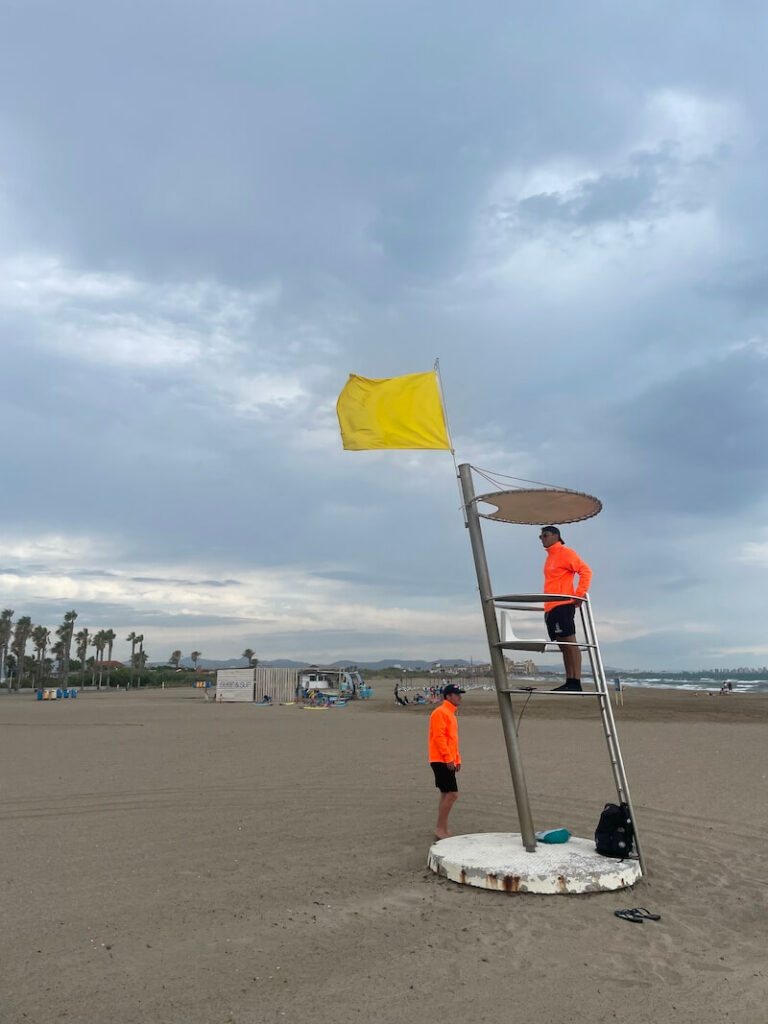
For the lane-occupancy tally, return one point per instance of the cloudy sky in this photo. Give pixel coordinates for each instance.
(211, 214)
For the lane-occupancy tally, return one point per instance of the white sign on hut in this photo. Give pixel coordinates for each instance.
(235, 684)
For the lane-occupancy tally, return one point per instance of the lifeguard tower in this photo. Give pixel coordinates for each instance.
(517, 862)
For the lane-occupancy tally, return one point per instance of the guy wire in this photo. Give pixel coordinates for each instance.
(522, 710)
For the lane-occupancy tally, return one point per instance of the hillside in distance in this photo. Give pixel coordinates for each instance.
(208, 664)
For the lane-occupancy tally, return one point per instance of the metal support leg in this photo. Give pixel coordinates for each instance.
(497, 661)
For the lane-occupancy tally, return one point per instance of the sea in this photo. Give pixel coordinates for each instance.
(703, 683)
(668, 681)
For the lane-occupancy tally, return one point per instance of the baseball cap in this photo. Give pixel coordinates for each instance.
(555, 531)
(452, 688)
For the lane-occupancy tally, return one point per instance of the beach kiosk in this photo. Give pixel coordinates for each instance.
(251, 685)
(518, 862)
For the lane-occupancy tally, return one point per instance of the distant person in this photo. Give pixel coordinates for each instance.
(398, 698)
(444, 757)
(561, 568)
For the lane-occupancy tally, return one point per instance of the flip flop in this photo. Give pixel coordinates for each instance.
(642, 912)
(628, 915)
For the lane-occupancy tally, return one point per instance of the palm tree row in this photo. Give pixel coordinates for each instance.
(195, 657)
(176, 657)
(14, 638)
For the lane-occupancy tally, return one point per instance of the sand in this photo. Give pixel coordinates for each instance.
(174, 861)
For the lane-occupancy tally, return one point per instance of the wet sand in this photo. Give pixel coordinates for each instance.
(174, 861)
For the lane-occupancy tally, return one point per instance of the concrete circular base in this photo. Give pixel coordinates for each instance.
(498, 860)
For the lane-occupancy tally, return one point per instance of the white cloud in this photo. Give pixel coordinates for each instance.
(754, 553)
(740, 650)
(255, 395)
(128, 340)
(44, 283)
(207, 335)
(635, 256)
(678, 226)
(267, 604)
(697, 125)
(54, 549)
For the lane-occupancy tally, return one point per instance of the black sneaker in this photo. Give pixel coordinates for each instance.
(570, 687)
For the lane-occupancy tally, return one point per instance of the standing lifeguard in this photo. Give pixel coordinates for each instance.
(561, 568)
(444, 757)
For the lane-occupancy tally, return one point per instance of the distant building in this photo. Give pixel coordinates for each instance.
(521, 668)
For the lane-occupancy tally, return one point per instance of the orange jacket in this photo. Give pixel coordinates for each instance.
(444, 734)
(560, 568)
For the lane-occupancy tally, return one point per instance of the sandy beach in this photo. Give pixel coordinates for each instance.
(173, 861)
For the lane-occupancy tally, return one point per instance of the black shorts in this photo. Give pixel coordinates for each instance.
(560, 621)
(445, 777)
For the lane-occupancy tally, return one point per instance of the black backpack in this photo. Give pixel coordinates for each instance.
(615, 834)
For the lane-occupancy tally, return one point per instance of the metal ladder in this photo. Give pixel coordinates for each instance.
(534, 602)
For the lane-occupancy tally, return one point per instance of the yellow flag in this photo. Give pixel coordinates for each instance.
(396, 412)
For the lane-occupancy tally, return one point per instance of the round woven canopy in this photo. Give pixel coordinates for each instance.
(540, 506)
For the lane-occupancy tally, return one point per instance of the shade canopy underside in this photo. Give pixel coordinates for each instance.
(540, 506)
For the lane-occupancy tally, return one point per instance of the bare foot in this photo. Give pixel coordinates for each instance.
(443, 835)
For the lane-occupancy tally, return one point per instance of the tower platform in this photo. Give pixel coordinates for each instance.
(499, 861)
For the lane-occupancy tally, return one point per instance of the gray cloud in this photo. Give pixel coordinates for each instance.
(210, 217)
(693, 444)
(609, 198)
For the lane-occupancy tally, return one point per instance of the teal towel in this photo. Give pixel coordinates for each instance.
(554, 835)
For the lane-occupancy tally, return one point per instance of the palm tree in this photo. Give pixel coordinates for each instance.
(57, 651)
(40, 637)
(141, 658)
(174, 659)
(82, 639)
(19, 646)
(98, 641)
(64, 633)
(94, 643)
(195, 656)
(109, 638)
(6, 628)
(132, 638)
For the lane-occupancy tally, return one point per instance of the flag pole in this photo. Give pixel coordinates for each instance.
(445, 410)
(450, 439)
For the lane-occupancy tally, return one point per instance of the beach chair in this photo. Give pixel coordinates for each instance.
(513, 642)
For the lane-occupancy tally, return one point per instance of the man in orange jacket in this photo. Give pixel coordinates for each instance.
(444, 756)
(561, 568)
